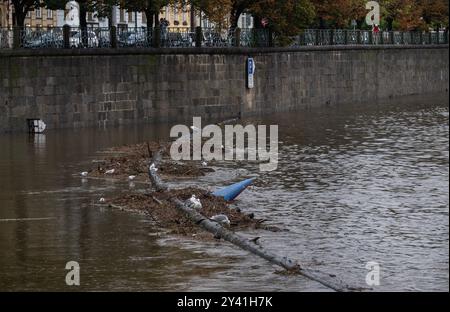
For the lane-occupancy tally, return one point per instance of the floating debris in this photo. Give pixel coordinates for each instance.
(221, 219)
(233, 191)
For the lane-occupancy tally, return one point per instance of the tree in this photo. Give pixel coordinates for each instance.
(225, 12)
(151, 8)
(285, 17)
(339, 13)
(434, 12)
(21, 9)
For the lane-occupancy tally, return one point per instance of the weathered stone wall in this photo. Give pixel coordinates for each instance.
(90, 88)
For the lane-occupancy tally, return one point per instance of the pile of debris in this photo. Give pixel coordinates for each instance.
(159, 209)
(131, 162)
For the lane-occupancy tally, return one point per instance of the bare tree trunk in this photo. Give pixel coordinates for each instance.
(83, 23)
(193, 19)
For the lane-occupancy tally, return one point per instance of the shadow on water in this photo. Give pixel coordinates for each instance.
(354, 184)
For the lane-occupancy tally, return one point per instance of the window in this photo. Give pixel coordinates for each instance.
(130, 16)
(29, 14)
(38, 12)
(90, 17)
(144, 18)
(184, 14)
(49, 14)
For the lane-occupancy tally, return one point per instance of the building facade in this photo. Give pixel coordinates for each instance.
(3, 14)
(39, 17)
(177, 19)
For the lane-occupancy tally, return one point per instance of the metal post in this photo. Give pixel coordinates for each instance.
(113, 36)
(156, 37)
(392, 34)
(198, 37)
(237, 37)
(17, 38)
(332, 37)
(421, 37)
(370, 37)
(346, 37)
(358, 37)
(381, 35)
(430, 39)
(66, 36)
(317, 37)
(402, 37)
(270, 34)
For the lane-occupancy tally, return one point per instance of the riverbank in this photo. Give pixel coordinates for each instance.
(83, 88)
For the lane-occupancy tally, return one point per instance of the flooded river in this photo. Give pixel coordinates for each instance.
(354, 184)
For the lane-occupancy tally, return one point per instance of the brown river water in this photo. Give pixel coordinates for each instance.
(355, 183)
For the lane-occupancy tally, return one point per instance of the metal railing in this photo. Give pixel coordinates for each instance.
(324, 37)
(96, 37)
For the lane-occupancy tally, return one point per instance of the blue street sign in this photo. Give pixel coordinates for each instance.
(250, 72)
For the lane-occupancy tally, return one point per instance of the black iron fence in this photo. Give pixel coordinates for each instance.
(97, 37)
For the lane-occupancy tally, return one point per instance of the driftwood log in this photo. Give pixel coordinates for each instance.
(328, 280)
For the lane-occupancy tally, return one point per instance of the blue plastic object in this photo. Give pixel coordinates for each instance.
(232, 191)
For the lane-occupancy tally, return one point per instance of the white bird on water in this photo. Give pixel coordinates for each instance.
(204, 163)
(110, 171)
(102, 200)
(131, 177)
(221, 219)
(84, 174)
(194, 202)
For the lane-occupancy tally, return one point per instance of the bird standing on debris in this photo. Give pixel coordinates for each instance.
(194, 202)
(153, 168)
(221, 219)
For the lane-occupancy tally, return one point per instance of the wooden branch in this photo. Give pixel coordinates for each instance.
(330, 281)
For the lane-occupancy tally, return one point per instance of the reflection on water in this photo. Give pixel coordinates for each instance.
(354, 184)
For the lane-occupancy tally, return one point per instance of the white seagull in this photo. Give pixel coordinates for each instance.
(111, 171)
(194, 202)
(84, 174)
(204, 163)
(102, 200)
(131, 177)
(221, 219)
(153, 168)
